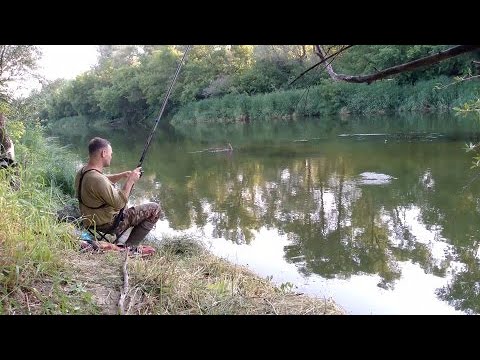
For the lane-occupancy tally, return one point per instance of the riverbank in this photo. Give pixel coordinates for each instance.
(184, 278)
(43, 270)
(329, 98)
(181, 278)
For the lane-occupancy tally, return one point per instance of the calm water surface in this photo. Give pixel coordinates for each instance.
(379, 213)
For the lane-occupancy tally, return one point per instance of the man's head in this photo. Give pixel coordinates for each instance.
(100, 150)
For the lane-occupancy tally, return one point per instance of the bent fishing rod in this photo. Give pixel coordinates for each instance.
(147, 143)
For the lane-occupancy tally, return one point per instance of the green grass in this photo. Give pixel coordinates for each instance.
(330, 98)
(32, 242)
(32, 247)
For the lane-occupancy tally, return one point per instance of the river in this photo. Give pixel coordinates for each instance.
(380, 213)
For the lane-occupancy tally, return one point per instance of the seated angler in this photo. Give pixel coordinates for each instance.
(103, 206)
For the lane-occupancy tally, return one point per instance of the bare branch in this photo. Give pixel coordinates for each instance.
(321, 62)
(124, 290)
(457, 81)
(4, 48)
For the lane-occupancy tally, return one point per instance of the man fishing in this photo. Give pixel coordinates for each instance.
(102, 205)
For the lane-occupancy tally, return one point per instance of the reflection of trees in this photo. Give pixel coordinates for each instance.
(222, 194)
(336, 227)
(347, 240)
(371, 236)
(410, 249)
(463, 291)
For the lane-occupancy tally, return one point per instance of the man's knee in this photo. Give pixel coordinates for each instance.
(155, 212)
(159, 213)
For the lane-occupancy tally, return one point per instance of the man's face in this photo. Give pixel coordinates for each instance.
(107, 156)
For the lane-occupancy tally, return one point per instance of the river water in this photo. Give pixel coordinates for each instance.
(380, 213)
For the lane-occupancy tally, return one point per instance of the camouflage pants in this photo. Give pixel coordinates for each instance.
(135, 215)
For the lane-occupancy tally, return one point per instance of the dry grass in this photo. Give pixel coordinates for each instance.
(184, 278)
(181, 278)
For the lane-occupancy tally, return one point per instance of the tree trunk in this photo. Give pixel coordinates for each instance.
(328, 66)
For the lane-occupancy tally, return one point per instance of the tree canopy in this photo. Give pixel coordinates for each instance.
(130, 81)
(16, 62)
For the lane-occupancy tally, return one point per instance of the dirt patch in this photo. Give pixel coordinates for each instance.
(101, 274)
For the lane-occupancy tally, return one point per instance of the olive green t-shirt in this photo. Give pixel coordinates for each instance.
(96, 191)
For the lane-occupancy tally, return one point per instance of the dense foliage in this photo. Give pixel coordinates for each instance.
(129, 82)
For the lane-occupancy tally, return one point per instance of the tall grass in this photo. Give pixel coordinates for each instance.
(330, 98)
(32, 241)
(47, 163)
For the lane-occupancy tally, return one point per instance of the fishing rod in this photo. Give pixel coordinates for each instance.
(147, 143)
(119, 217)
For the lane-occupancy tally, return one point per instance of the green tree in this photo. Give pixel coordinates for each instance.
(117, 56)
(297, 53)
(16, 61)
(155, 72)
(125, 97)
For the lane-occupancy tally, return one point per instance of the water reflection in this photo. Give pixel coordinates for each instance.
(394, 216)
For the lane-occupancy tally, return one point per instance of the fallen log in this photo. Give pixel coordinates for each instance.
(214, 150)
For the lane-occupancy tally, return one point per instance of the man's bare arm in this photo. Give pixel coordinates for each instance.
(131, 179)
(116, 177)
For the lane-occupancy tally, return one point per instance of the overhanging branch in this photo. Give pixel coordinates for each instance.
(427, 60)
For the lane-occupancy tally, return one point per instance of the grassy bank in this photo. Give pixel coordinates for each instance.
(331, 98)
(183, 278)
(32, 241)
(43, 271)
